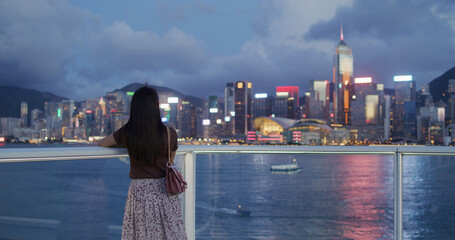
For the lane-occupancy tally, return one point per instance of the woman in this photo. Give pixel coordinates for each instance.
(149, 212)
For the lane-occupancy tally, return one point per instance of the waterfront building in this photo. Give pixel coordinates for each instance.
(431, 124)
(287, 102)
(91, 128)
(368, 109)
(270, 129)
(229, 100)
(36, 116)
(304, 131)
(387, 118)
(262, 105)
(8, 124)
(313, 107)
(404, 123)
(343, 87)
(216, 116)
(322, 94)
(243, 104)
(188, 124)
(24, 114)
(308, 132)
(67, 113)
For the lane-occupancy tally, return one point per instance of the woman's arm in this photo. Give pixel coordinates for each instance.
(172, 157)
(108, 141)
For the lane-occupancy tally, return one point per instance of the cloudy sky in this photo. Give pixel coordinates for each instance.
(83, 48)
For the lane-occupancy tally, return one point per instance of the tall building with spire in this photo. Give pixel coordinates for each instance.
(343, 93)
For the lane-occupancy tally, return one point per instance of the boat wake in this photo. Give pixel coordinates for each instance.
(215, 209)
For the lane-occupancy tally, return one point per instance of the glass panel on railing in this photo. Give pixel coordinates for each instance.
(77, 199)
(284, 196)
(428, 197)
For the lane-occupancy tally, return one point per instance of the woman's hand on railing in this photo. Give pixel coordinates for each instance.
(108, 141)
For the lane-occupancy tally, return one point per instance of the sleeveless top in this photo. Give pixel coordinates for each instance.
(138, 171)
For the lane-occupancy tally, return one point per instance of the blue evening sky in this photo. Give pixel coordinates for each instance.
(82, 49)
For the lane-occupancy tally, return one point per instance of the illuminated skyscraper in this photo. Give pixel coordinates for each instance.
(342, 79)
(321, 89)
(404, 108)
(367, 109)
(262, 105)
(243, 117)
(287, 102)
(188, 124)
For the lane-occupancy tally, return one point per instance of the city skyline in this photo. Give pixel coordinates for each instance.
(81, 49)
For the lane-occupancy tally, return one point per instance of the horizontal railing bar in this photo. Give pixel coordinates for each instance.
(43, 159)
(79, 153)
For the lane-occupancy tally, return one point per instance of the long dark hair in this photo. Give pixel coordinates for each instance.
(144, 131)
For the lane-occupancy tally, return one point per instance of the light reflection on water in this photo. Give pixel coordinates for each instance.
(332, 197)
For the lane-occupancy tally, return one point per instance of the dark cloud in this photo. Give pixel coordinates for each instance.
(53, 46)
(36, 42)
(395, 37)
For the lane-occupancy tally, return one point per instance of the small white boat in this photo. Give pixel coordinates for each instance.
(285, 167)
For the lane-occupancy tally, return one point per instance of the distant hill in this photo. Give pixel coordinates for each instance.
(440, 85)
(134, 86)
(11, 98)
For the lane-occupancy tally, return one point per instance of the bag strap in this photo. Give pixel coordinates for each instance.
(168, 146)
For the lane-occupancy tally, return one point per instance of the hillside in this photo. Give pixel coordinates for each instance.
(440, 85)
(11, 98)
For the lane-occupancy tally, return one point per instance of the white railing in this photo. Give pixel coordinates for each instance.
(189, 165)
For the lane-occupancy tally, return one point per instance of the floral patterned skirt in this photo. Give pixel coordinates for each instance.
(150, 213)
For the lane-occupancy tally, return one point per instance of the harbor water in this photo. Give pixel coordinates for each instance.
(330, 197)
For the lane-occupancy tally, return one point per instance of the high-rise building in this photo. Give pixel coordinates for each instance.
(287, 102)
(35, 117)
(188, 124)
(368, 109)
(262, 105)
(322, 91)
(404, 124)
(313, 107)
(24, 114)
(243, 103)
(343, 87)
(216, 116)
(229, 100)
(67, 112)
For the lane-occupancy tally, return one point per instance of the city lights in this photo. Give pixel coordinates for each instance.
(213, 110)
(172, 99)
(282, 94)
(402, 78)
(363, 80)
(227, 119)
(164, 106)
(164, 119)
(206, 122)
(260, 95)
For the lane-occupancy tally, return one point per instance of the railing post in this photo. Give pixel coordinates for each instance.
(189, 198)
(398, 196)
